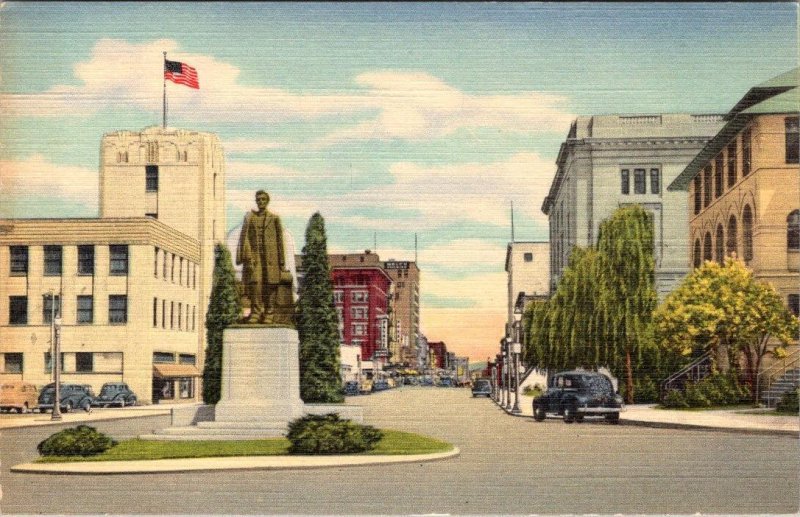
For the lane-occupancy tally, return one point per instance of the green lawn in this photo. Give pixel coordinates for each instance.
(706, 408)
(393, 442)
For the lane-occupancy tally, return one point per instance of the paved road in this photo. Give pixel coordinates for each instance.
(508, 465)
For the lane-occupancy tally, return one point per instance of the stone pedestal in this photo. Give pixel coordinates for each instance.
(260, 376)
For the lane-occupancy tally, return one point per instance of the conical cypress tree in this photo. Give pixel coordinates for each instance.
(317, 321)
(224, 308)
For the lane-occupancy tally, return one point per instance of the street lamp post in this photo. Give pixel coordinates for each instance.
(504, 374)
(508, 375)
(55, 334)
(517, 345)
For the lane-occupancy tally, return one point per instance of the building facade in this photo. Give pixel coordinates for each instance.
(744, 188)
(131, 287)
(528, 270)
(405, 308)
(611, 161)
(361, 294)
(438, 354)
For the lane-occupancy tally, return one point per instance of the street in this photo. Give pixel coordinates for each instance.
(507, 465)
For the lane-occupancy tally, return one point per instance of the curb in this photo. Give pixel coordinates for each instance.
(686, 427)
(225, 463)
(42, 423)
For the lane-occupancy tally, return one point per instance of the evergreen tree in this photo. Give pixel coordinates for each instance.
(224, 308)
(625, 244)
(317, 321)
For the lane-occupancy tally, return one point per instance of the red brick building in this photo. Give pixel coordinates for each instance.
(361, 294)
(439, 351)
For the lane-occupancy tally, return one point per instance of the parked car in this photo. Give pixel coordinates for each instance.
(445, 382)
(575, 394)
(426, 381)
(351, 388)
(18, 396)
(115, 394)
(380, 385)
(366, 386)
(71, 396)
(482, 387)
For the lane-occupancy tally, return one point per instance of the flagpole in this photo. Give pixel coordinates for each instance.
(164, 100)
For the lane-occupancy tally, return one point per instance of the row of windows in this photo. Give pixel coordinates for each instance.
(355, 296)
(169, 358)
(88, 362)
(117, 309)
(640, 181)
(183, 315)
(53, 260)
(723, 247)
(169, 263)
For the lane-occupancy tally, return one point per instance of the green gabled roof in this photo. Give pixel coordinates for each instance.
(777, 95)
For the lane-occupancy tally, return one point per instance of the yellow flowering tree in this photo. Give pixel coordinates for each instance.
(722, 308)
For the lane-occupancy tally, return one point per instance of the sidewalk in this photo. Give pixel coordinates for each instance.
(759, 421)
(9, 421)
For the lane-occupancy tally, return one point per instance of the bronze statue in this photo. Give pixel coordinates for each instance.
(267, 283)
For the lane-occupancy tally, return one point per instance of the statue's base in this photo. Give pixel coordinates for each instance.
(260, 390)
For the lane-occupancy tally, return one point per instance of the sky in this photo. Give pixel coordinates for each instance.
(390, 119)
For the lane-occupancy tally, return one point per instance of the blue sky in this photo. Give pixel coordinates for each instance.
(389, 119)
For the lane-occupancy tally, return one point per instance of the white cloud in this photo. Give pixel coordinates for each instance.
(35, 176)
(409, 105)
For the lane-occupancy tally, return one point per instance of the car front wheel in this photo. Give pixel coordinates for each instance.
(539, 414)
(24, 408)
(570, 414)
(68, 407)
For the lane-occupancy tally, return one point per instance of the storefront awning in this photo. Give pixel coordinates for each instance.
(176, 370)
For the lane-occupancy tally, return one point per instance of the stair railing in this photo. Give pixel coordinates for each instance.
(775, 371)
(693, 371)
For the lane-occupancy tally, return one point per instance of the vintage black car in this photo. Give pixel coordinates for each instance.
(482, 387)
(578, 393)
(115, 394)
(72, 396)
(351, 388)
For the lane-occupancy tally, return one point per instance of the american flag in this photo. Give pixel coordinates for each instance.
(181, 73)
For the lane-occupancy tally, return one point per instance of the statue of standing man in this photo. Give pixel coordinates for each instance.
(267, 282)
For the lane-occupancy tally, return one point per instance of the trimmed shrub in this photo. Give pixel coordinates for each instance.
(329, 434)
(645, 390)
(77, 441)
(789, 402)
(695, 396)
(675, 399)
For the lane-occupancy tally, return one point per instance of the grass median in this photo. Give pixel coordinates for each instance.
(392, 443)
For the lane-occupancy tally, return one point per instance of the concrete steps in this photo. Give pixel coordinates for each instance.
(789, 381)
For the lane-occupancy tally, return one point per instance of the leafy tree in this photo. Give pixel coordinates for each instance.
(722, 308)
(625, 246)
(224, 309)
(317, 321)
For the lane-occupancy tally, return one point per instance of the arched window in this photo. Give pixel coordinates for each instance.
(718, 176)
(698, 259)
(707, 186)
(747, 233)
(793, 231)
(697, 193)
(732, 244)
(707, 247)
(719, 245)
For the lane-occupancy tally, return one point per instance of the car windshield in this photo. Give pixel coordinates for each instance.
(108, 390)
(481, 384)
(593, 383)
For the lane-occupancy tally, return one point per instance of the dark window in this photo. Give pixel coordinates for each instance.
(747, 233)
(171, 315)
(155, 264)
(697, 193)
(85, 309)
(163, 357)
(52, 260)
(698, 259)
(117, 308)
(13, 362)
(707, 247)
(655, 181)
(794, 306)
(180, 316)
(84, 362)
(86, 259)
(746, 154)
(187, 359)
(732, 231)
(718, 176)
(180, 271)
(793, 230)
(19, 260)
(172, 270)
(732, 163)
(48, 308)
(164, 273)
(707, 186)
(792, 140)
(639, 185)
(155, 312)
(528, 257)
(48, 362)
(151, 178)
(151, 215)
(719, 245)
(18, 310)
(163, 314)
(625, 177)
(119, 259)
